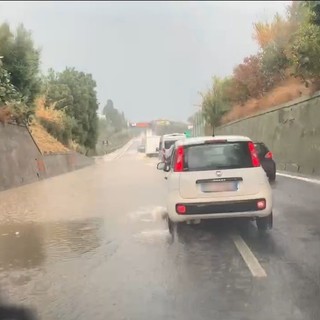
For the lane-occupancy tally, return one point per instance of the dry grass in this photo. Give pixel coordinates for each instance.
(46, 143)
(289, 90)
(49, 114)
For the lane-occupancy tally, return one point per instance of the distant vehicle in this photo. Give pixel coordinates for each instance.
(217, 177)
(151, 145)
(166, 142)
(266, 160)
(142, 148)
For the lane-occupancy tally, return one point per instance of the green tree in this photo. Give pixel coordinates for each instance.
(115, 119)
(21, 59)
(75, 93)
(7, 90)
(274, 64)
(304, 47)
(216, 101)
(57, 93)
(314, 8)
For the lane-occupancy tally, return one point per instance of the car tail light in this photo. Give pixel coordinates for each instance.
(179, 159)
(268, 155)
(181, 209)
(254, 156)
(261, 204)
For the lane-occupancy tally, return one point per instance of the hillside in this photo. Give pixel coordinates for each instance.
(46, 142)
(288, 90)
(285, 67)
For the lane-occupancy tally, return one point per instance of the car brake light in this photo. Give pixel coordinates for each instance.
(178, 165)
(268, 155)
(181, 209)
(261, 204)
(254, 157)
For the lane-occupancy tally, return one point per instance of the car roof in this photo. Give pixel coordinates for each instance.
(201, 140)
(173, 135)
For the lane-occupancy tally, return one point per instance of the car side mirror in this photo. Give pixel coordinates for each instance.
(163, 166)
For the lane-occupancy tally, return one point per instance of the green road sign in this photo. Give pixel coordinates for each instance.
(188, 133)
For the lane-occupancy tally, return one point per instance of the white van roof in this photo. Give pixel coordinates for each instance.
(172, 136)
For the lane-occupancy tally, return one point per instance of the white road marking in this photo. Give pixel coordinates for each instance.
(117, 154)
(315, 181)
(248, 257)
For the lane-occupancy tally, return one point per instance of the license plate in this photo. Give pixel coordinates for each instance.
(219, 186)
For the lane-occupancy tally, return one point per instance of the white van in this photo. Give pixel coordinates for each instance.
(151, 145)
(166, 142)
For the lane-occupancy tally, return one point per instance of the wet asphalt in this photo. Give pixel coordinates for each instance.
(94, 244)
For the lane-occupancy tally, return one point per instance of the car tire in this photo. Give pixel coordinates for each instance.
(272, 176)
(175, 228)
(170, 226)
(265, 223)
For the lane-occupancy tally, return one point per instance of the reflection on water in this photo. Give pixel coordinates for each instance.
(26, 245)
(21, 246)
(77, 237)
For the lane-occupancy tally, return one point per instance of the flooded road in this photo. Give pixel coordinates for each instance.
(94, 244)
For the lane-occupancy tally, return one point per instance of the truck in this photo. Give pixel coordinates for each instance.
(152, 145)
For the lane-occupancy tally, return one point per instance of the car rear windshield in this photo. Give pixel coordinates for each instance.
(218, 156)
(169, 143)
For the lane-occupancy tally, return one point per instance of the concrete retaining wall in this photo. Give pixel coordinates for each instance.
(21, 161)
(62, 163)
(291, 131)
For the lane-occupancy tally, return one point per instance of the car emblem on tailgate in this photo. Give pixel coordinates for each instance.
(218, 173)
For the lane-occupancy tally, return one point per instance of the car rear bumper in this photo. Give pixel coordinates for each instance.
(232, 208)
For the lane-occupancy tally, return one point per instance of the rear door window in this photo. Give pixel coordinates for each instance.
(169, 143)
(218, 156)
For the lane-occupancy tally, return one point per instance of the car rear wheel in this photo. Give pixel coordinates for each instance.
(265, 223)
(272, 176)
(175, 227)
(170, 226)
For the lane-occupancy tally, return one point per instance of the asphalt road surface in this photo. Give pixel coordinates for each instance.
(93, 244)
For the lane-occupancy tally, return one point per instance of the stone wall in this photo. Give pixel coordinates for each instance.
(21, 161)
(291, 131)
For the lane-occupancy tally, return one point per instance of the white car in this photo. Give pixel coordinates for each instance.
(217, 177)
(166, 141)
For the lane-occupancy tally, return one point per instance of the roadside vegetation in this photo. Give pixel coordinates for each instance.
(285, 67)
(113, 130)
(60, 108)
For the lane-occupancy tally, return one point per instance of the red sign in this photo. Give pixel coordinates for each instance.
(142, 124)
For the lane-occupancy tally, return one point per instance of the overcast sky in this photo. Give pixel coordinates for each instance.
(150, 58)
